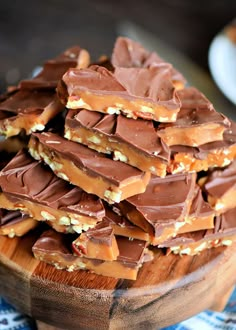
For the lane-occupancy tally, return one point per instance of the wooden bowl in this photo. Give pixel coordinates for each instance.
(168, 289)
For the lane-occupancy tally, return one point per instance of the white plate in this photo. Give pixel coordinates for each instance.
(222, 64)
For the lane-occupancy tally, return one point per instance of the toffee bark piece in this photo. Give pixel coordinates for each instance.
(97, 243)
(86, 168)
(134, 142)
(223, 233)
(122, 226)
(165, 204)
(136, 92)
(197, 122)
(220, 186)
(54, 69)
(14, 223)
(28, 111)
(201, 214)
(30, 186)
(128, 53)
(55, 249)
(201, 158)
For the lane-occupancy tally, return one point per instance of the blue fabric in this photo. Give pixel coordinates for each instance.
(10, 319)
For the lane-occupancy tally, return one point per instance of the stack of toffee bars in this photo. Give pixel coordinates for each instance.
(119, 160)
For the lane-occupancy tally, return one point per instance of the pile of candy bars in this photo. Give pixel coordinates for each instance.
(116, 160)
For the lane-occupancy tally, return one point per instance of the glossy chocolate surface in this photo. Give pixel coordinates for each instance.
(151, 84)
(219, 181)
(139, 133)
(53, 70)
(196, 110)
(25, 178)
(225, 227)
(128, 53)
(11, 217)
(95, 163)
(201, 152)
(26, 102)
(165, 201)
(131, 251)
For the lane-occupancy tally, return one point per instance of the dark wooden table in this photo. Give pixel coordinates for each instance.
(32, 31)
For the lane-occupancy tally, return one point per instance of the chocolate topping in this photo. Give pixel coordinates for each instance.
(11, 217)
(201, 152)
(51, 242)
(101, 233)
(195, 113)
(225, 227)
(139, 133)
(54, 69)
(199, 207)
(27, 102)
(220, 181)
(151, 84)
(131, 252)
(25, 178)
(129, 54)
(165, 201)
(95, 163)
(196, 110)
(54, 243)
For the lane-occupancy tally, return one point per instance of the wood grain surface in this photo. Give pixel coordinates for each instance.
(168, 289)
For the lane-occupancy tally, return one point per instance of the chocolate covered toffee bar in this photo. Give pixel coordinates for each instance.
(86, 168)
(136, 92)
(223, 233)
(220, 186)
(14, 223)
(55, 248)
(212, 154)
(129, 54)
(132, 141)
(97, 243)
(164, 205)
(28, 111)
(30, 186)
(197, 122)
(54, 69)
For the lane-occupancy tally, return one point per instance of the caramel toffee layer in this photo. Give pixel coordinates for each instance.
(128, 54)
(31, 186)
(88, 169)
(165, 203)
(197, 122)
(191, 243)
(132, 141)
(136, 92)
(220, 186)
(55, 248)
(212, 154)
(14, 223)
(54, 69)
(28, 111)
(97, 243)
